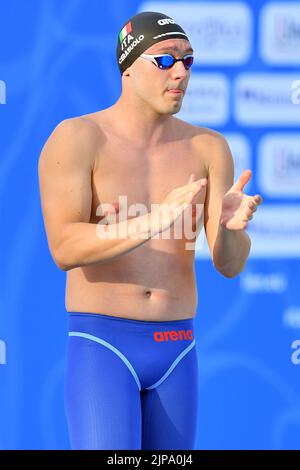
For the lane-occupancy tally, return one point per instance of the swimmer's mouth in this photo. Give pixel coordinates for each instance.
(177, 91)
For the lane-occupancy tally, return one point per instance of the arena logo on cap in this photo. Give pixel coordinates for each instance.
(164, 21)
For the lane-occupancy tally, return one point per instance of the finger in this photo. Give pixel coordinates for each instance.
(193, 187)
(258, 199)
(247, 216)
(197, 191)
(201, 183)
(242, 180)
(196, 186)
(252, 205)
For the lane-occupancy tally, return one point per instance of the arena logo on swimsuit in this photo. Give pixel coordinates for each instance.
(180, 335)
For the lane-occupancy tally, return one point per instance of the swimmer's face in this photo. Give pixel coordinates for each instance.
(152, 84)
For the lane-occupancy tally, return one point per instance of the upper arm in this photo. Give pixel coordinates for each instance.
(65, 169)
(220, 179)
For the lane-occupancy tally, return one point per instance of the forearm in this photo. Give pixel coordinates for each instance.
(231, 250)
(84, 244)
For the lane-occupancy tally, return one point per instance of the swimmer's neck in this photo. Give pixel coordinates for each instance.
(143, 124)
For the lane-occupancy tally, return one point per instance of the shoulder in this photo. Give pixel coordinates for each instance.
(76, 139)
(202, 137)
(210, 138)
(80, 129)
(212, 146)
(209, 145)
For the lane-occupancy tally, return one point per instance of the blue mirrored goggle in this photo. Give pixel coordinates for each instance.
(166, 61)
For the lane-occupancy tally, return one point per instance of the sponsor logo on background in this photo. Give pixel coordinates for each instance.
(240, 150)
(275, 231)
(255, 282)
(279, 165)
(291, 317)
(219, 33)
(206, 100)
(279, 33)
(263, 99)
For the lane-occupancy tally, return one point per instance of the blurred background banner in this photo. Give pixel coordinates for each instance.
(57, 61)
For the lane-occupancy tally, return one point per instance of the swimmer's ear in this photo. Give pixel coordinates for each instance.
(126, 72)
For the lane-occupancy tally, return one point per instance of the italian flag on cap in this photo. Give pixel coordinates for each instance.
(127, 29)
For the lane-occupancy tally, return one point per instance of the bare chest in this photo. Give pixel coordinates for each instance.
(142, 177)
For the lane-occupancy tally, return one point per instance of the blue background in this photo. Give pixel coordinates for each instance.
(58, 61)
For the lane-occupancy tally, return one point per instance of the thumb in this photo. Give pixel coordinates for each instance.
(242, 181)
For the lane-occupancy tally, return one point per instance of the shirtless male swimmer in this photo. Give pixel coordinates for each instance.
(131, 377)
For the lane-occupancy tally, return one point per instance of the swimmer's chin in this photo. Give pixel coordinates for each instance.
(174, 110)
(169, 112)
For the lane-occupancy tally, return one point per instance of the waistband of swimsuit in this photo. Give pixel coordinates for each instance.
(183, 321)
